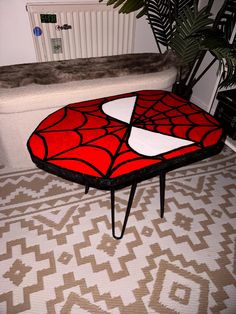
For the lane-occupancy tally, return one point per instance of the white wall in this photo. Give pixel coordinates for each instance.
(204, 90)
(15, 39)
(16, 43)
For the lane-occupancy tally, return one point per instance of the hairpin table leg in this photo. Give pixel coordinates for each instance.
(162, 193)
(131, 197)
(86, 189)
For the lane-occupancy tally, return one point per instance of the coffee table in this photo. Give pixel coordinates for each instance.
(118, 141)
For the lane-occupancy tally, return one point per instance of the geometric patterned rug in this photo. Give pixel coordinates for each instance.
(57, 254)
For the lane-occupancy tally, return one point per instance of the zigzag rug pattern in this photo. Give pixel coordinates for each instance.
(57, 254)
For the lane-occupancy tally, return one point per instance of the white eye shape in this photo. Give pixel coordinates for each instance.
(142, 141)
(120, 109)
(151, 144)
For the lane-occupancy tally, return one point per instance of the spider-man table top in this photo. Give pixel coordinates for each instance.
(112, 142)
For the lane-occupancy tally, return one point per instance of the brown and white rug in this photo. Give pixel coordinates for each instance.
(57, 254)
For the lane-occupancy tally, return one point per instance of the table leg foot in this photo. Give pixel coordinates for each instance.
(162, 193)
(131, 197)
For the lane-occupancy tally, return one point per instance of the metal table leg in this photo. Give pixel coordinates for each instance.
(131, 197)
(86, 189)
(162, 193)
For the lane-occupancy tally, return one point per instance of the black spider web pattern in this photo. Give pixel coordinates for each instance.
(165, 112)
(156, 111)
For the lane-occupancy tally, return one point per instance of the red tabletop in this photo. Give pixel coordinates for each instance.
(111, 141)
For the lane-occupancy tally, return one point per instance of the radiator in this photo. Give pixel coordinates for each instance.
(75, 30)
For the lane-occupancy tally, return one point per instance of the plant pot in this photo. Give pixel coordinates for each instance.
(182, 90)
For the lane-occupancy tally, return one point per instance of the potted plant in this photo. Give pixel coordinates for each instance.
(182, 29)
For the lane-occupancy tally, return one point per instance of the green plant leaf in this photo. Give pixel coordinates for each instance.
(142, 12)
(109, 2)
(226, 18)
(190, 23)
(179, 6)
(131, 6)
(227, 63)
(118, 3)
(128, 6)
(215, 42)
(160, 17)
